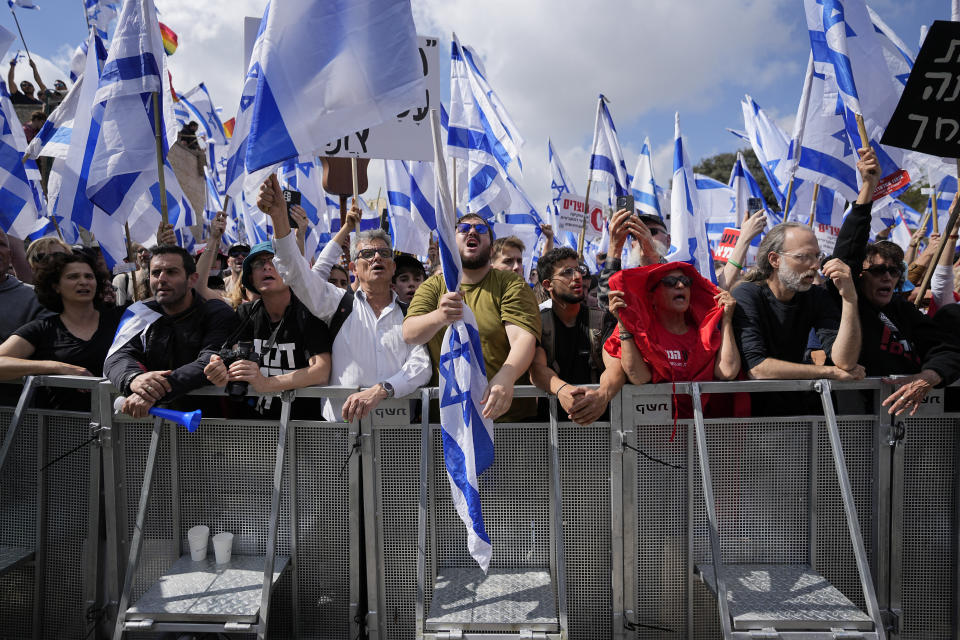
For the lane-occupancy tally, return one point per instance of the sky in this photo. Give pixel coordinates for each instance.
(548, 60)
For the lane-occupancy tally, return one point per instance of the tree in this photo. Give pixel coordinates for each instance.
(719, 167)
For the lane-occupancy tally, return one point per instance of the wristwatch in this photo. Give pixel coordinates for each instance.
(388, 388)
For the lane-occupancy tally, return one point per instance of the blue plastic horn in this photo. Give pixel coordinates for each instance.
(188, 419)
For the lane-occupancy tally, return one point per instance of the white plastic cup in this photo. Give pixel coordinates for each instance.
(222, 546)
(197, 537)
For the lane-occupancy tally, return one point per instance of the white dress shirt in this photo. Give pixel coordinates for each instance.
(368, 348)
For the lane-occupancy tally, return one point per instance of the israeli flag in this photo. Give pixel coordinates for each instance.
(303, 175)
(23, 4)
(480, 134)
(901, 232)
(328, 68)
(411, 191)
(78, 60)
(20, 202)
(644, 185)
(134, 322)
(560, 184)
(718, 207)
(200, 105)
(688, 230)
(100, 14)
(607, 165)
(467, 435)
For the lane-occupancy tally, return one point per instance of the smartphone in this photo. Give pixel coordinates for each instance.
(625, 202)
(291, 197)
(754, 205)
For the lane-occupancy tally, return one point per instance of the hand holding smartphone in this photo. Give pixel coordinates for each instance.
(291, 197)
(625, 202)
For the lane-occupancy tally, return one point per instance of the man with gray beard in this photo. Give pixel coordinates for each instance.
(778, 305)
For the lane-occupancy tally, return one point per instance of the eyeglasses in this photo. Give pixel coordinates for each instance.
(479, 227)
(878, 270)
(570, 272)
(367, 254)
(238, 254)
(672, 281)
(808, 258)
(260, 263)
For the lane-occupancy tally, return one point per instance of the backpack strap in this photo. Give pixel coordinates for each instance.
(341, 314)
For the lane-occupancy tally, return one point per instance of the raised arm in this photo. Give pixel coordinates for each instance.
(750, 229)
(41, 88)
(206, 259)
(11, 85)
(846, 347)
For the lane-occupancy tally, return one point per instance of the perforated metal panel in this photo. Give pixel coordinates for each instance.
(17, 523)
(929, 533)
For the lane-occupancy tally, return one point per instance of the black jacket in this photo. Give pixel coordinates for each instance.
(183, 343)
(931, 346)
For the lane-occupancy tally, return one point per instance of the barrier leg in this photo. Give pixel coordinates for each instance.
(26, 397)
(853, 522)
(425, 452)
(711, 506)
(274, 518)
(294, 527)
(40, 548)
(115, 532)
(557, 555)
(135, 544)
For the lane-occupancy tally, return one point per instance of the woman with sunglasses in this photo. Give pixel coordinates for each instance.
(76, 340)
(674, 325)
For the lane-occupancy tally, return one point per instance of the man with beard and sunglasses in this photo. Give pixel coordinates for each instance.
(898, 338)
(506, 313)
(569, 354)
(777, 306)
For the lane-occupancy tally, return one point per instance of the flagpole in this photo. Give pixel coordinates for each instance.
(356, 181)
(586, 198)
(786, 204)
(160, 172)
(25, 48)
(454, 185)
(813, 207)
(951, 224)
(936, 221)
(126, 235)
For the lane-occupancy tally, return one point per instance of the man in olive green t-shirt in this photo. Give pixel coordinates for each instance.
(507, 317)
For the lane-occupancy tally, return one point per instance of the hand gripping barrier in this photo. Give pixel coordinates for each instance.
(611, 517)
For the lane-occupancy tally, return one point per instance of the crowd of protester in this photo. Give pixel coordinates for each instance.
(267, 319)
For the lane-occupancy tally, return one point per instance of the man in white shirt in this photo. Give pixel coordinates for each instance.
(368, 347)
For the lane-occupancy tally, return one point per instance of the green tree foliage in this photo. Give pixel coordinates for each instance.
(719, 167)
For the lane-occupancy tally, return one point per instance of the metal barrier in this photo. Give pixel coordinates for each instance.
(632, 520)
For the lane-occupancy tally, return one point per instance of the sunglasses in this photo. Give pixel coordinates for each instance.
(237, 254)
(367, 254)
(479, 227)
(672, 281)
(878, 270)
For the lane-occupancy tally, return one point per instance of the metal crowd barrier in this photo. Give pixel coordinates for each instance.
(597, 531)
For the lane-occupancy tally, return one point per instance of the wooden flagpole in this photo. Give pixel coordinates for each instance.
(160, 172)
(813, 205)
(951, 225)
(25, 48)
(786, 204)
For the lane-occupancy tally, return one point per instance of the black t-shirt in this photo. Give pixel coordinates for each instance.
(573, 353)
(20, 98)
(53, 341)
(299, 336)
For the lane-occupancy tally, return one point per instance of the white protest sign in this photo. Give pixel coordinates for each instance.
(570, 216)
(826, 236)
(406, 137)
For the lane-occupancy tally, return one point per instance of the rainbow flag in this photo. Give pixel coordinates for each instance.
(228, 127)
(169, 39)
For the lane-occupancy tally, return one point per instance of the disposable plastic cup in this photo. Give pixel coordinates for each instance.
(222, 546)
(197, 536)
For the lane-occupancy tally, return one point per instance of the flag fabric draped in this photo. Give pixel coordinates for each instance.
(363, 71)
(607, 165)
(481, 134)
(718, 208)
(646, 193)
(560, 184)
(20, 202)
(411, 192)
(100, 13)
(467, 436)
(134, 322)
(687, 226)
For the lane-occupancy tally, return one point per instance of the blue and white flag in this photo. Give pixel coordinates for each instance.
(20, 203)
(200, 105)
(607, 165)
(330, 68)
(480, 134)
(77, 61)
(901, 232)
(100, 13)
(134, 322)
(560, 184)
(411, 192)
(53, 139)
(688, 231)
(23, 4)
(303, 175)
(644, 186)
(467, 435)
(717, 207)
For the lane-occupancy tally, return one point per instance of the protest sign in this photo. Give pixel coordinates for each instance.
(826, 236)
(407, 136)
(727, 242)
(926, 118)
(570, 216)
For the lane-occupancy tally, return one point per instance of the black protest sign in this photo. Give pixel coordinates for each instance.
(927, 118)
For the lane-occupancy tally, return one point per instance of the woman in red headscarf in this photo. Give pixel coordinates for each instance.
(674, 326)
